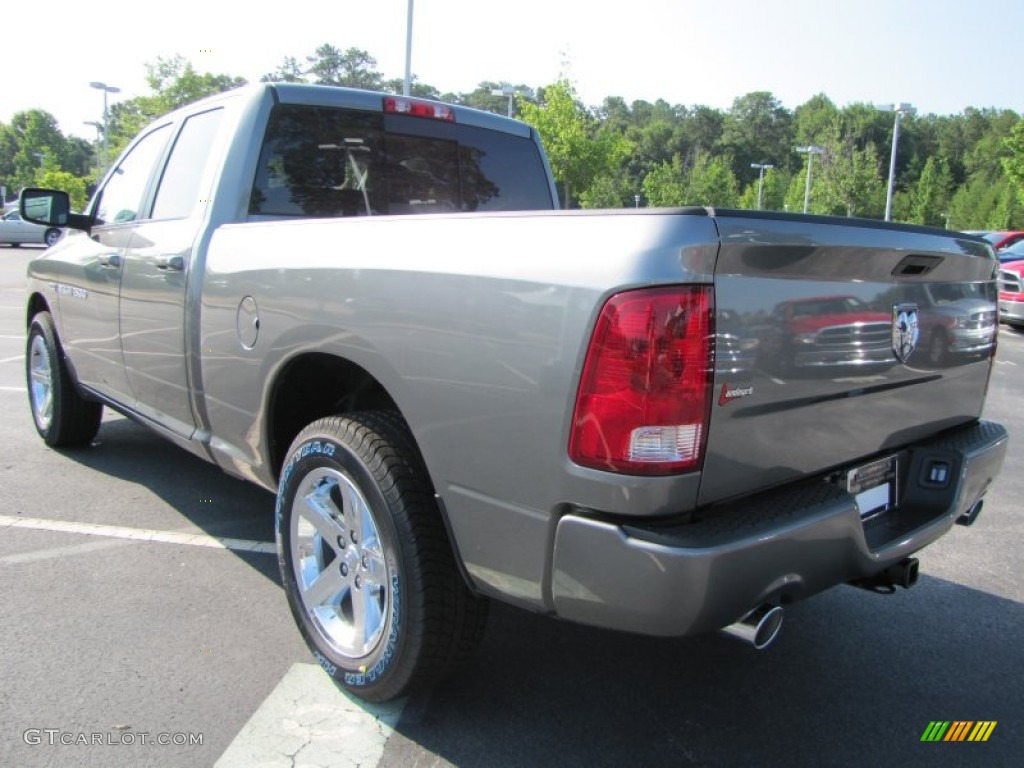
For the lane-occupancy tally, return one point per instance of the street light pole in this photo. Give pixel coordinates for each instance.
(760, 179)
(508, 90)
(106, 115)
(505, 90)
(900, 109)
(407, 85)
(99, 138)
(810, 150)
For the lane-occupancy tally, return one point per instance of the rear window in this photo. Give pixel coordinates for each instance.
(325, 162)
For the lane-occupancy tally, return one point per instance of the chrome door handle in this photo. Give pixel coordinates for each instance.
(111, 260)
(170, 263)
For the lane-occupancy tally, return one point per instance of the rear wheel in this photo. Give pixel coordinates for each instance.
(51, 237)
(63, 418)
(366, 562)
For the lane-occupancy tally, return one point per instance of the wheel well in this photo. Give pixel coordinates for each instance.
(36, 304)
(315, 386)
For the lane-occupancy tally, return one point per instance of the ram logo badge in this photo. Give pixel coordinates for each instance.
(905, 330)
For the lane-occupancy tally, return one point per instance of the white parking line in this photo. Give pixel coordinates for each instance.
(139, 534)
(19, 358)
(307, 720)
(12, 389)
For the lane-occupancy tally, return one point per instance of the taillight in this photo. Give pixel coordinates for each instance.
(644, 396)
(403, 106)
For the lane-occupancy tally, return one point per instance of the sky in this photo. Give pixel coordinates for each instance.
(939, 55)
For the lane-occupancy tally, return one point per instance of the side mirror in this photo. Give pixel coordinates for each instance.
(50, 207)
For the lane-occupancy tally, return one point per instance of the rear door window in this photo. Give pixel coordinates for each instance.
(319, 161)
(179, 188)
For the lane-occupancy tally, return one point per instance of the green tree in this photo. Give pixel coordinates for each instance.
(664, 186)
(30, 137)
(75, 186)
(930, 197)
(814, 121)
(353, 68)
(288, 71)
(173, 83)
(757, 129)
(1013, 161)
(773, 192)
(416, 88)
(711, 182)
(577, 154)
(847, 181)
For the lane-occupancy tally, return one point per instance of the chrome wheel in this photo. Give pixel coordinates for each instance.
(340, 570)
(41, 383)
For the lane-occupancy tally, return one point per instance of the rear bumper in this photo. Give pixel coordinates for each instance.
(777, 547)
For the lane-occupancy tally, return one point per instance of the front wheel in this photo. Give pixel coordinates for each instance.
(366, 562)
(51, 237)
(63, 418)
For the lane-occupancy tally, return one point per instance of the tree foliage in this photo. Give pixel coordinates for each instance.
(964, 171)
(577, 153)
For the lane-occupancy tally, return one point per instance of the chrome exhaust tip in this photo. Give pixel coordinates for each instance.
(759, 628)
(968, 517)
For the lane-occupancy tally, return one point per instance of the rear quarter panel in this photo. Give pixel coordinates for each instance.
(476, 326)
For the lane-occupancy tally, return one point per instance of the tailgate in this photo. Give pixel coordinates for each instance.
(840, 340)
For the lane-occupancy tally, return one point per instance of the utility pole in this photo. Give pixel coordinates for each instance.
(760, 179)
(810, 150)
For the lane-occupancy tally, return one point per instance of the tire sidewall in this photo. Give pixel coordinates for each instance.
(42, 326)
(318, 450)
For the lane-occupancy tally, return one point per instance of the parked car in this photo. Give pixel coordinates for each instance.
(1014, 252)
(955, 319)
(1011, 294)
(14, 231)
(1004, 239)
(827, 332)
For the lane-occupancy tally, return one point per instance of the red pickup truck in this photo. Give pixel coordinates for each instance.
(1011, 293)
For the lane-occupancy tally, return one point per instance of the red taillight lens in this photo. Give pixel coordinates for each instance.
(403, 106)
(644, 397)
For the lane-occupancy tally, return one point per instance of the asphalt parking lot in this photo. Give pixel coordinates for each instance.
(142, 623)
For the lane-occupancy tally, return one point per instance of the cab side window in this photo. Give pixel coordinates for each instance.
(179, 186)
(122, 197)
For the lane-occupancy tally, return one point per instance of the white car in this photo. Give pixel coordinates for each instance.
(15, 231)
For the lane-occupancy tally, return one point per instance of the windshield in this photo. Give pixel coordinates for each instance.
(1013, 253)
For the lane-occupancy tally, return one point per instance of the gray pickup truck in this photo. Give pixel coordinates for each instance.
(579, 413)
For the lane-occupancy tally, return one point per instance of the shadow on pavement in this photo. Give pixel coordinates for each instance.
(202, 493)
(853, 680)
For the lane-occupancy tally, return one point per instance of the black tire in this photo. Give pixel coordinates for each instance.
(63, 418)
(355, 502)
(50, 237)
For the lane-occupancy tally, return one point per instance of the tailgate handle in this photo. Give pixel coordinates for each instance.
(916, 265)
